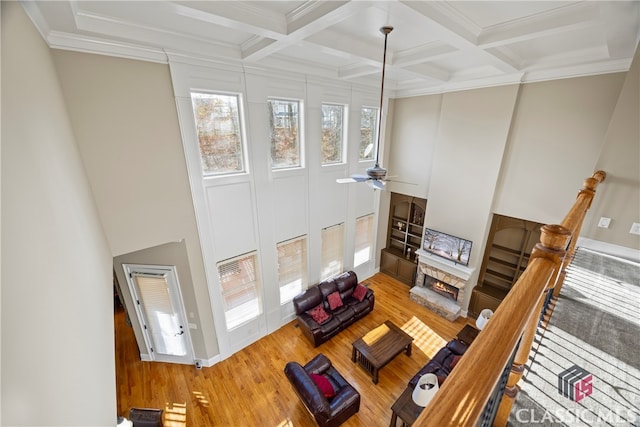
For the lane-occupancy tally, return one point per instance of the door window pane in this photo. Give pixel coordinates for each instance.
(332, 133)
(219, 132)
(162, 320)
(284, 116)
(240, 290)
(292, 268)
(332, 251)
(368, 133)
(364, 240)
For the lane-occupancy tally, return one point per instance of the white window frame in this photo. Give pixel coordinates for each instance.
(363, 240)
(374, 136)
(233, 316)
(241, 129)
(332, 252)
(343, 138)
(301, 145)
(288, 288)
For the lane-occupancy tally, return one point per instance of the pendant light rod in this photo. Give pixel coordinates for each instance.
(384, 30)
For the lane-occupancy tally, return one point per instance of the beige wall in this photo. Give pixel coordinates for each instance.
(618, 197)
(559, 133)
(556, 138)
(125, 120)
(57, 362)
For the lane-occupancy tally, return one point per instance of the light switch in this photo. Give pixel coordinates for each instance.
(635, 228)
(604, 222)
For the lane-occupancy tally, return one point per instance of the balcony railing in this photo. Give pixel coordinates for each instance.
(482, 388)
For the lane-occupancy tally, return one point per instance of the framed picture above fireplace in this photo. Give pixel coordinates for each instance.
(445, 245)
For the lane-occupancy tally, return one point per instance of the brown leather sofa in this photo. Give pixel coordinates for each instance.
(326, 411)
(339, 318)
(443, 362)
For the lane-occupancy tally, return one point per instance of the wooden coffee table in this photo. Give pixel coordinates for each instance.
(379, 346)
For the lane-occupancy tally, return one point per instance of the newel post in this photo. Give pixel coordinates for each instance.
(554, 240)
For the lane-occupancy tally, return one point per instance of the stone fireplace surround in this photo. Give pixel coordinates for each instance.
(447, 272)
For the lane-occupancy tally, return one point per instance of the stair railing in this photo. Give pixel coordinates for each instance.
(469, 395)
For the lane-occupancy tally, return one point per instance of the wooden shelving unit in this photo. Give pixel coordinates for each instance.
(404, 237)
(506, 256)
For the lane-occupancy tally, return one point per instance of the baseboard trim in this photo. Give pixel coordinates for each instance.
(629, 254)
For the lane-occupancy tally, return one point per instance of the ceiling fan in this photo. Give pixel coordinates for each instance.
(376, 174)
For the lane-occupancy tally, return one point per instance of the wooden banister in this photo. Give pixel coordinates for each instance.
(507, 338)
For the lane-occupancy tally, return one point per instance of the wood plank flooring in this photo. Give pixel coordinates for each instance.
(250, 388)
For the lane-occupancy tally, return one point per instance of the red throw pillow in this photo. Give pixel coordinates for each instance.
(318, 314)
(324, 385)
(359, 292)
(334, 300)
(454, 361)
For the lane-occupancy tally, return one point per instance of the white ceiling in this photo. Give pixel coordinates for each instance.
(436, 46)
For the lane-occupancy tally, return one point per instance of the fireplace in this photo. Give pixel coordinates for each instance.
(441, 288)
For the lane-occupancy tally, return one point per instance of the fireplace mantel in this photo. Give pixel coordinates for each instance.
(461, 271)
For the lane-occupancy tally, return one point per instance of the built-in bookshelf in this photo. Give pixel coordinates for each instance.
(506, 256)
(404, 237)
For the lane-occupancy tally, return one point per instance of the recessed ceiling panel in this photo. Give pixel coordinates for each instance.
(485, 14)
(433, 42)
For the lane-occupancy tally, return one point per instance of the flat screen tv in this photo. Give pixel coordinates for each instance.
(447, 246)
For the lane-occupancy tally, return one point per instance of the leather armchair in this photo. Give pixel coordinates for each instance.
(325, 411)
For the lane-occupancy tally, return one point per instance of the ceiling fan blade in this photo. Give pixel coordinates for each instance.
(360, 178)
(399, 182)
(345, 180)
(377, 184)
(353, 178)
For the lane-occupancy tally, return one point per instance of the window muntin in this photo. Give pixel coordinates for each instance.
(284, 126)
(333, 141)
(363, 240)
(368, 132)
(219, 133)
(292, 268)
(332, 251)
(240, 289)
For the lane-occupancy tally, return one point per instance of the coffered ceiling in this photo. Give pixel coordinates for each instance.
(436, 46)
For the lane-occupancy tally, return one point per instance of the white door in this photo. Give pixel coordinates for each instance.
(160, 311)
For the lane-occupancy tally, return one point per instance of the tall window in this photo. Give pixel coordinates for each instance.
(368, 133)
(332, 251)
(292, 268)
(332, 133)
(240, 289)
(284, 123)
(219, 132)
(364, 240)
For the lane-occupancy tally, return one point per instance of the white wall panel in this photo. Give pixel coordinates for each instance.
(290, 207)
(231, 210)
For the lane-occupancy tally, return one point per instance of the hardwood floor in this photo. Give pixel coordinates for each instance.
(250, 389)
